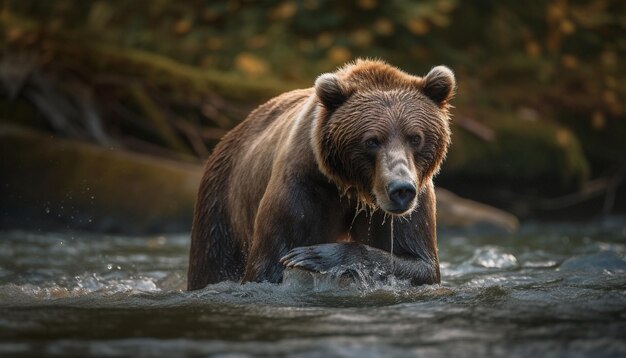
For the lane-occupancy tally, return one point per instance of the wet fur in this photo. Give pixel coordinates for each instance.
(293, 176)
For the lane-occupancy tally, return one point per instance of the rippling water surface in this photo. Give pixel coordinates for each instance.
(547, 291)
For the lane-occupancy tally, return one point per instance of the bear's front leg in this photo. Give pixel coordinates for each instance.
(290, 215)
(326, 257)
(414, 246)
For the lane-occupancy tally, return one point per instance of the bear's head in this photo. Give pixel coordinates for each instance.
(381, 133)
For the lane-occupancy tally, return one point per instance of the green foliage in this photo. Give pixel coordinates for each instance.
(565, 45)
(165, 70)
(525, 157)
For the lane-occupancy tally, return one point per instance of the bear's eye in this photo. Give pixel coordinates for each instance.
(372, 143)
(415, 140)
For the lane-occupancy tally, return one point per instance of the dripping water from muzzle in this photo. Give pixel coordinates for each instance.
(391, 249)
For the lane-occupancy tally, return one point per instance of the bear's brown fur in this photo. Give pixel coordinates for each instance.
(303, 172)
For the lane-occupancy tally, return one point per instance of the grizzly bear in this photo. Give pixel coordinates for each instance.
(330, 176)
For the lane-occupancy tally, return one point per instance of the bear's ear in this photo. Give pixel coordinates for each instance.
(439, 85)
(329, 91)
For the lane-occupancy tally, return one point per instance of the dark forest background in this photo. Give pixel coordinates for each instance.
(539, 124)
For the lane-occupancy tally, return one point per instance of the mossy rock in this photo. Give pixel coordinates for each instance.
(53, 183)
(525, 159)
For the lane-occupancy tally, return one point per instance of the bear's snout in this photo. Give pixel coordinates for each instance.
(395, 185)
(401, 195)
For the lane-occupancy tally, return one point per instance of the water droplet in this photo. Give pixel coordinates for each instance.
(47, 210)
(109, 266)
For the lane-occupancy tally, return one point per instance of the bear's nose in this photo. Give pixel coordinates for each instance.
(401, 194)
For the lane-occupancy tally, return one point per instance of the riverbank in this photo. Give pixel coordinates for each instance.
(53, 183)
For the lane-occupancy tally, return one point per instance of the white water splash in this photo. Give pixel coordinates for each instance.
(353, 278)
(493, 257)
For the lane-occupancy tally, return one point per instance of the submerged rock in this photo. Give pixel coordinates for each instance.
(608, 262)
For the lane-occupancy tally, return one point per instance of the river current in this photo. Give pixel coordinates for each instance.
(549, 290)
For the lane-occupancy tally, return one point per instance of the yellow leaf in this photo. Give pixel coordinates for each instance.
(567, 27)
(214, 43)
(367, 4)
(209, 15)
(251, 65)
(556, 11)
(533, 49)
(569, 61)
(339, 54)
(609, 97)
(383, 26)
(14, 34)
(598, 122)
(325, 39)
(439, 20)
(182, 26)
(285, 10)
(562, 137)
(361, 38)
(445, 5)
(418, 26)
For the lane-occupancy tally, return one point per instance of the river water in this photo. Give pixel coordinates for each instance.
(547, 291)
